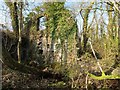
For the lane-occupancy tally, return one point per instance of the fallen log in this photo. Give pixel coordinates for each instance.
(11, 63)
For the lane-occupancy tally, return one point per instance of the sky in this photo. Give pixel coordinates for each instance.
(3, 13)
(73, 6)
(5, 16)
(76, 6)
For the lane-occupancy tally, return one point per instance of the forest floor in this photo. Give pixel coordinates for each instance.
(16, 79)
(19, 80)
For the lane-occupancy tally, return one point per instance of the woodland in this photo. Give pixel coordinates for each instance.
(61, 45)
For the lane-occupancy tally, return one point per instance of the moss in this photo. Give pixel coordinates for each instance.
(104, 76)
(57, 84)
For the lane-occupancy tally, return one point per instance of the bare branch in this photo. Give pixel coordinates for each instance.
(95, 56)
(81, 14)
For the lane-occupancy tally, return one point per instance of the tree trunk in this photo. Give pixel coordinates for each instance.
(15, 19)
(97, 31)
(37, 24)
(85, 24)
(78, 44)
(20, 29)
(110, 19)
(115, 25)
(101, 29)
(14, 16)
(119, 35)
